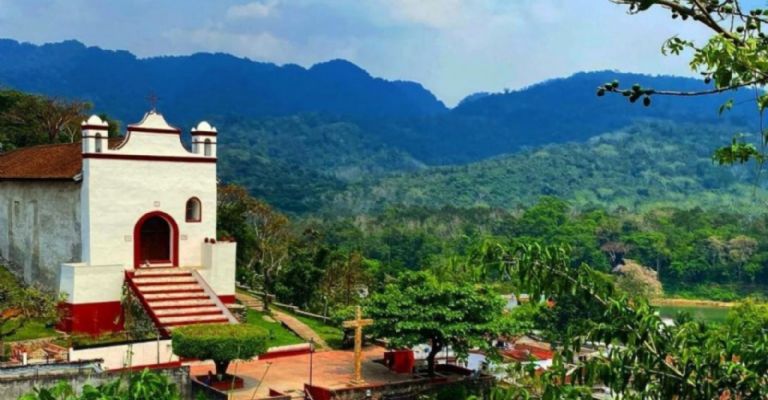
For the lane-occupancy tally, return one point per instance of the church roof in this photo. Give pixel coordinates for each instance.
(52, 161)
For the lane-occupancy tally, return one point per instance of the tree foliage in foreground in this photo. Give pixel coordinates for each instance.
(220, 343)
(637, 356)
(734, 56)
(146, 385)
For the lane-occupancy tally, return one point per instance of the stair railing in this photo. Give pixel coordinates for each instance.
(213, 296)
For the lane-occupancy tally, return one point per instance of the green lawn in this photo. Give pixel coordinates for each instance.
(331, 334)
(279, 335)
(33, 330)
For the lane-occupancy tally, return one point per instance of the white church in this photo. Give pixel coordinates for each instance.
(89, 218)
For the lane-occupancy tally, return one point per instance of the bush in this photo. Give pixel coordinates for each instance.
(146, 385)
(220, 343)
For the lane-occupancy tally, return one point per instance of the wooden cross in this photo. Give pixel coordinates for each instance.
(358, 323)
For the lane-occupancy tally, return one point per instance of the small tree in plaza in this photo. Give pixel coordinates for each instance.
(220, 343)
(418, 308)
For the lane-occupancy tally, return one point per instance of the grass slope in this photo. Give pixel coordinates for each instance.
(278, 334)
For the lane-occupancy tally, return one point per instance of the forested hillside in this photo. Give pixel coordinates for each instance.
(643, 165)
(554, 111)
(334, 146)
(299, 162)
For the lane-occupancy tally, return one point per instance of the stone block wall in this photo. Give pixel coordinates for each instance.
(39, 228)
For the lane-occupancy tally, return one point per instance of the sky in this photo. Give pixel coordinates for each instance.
(453, 47)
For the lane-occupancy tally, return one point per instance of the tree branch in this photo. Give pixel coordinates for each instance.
(703, 17)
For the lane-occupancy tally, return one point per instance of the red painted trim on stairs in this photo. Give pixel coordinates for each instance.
(192, 314)
(181, 306)
(173, 291)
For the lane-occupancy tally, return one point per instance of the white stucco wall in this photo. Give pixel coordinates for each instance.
(39, 227)
(82, 283)
(118, 192)
(128, 355)
(218, 267)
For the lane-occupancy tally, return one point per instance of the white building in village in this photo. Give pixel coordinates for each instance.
(87, 218)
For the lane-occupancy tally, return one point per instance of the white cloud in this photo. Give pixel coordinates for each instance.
(261, 46)
(256, 9)
(440, 14)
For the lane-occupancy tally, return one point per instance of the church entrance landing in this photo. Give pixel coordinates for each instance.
(156, 241)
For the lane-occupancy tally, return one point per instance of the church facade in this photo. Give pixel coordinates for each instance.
(95, 218)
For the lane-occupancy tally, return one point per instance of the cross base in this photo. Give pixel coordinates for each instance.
(357, 382)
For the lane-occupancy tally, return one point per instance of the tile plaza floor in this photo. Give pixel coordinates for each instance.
(331, 369)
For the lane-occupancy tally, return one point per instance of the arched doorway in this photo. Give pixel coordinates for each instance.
(156, 240)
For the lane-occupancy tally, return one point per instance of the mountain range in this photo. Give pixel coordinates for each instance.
(205, 85)
(333, 137)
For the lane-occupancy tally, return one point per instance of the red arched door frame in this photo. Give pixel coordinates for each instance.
(137, 261)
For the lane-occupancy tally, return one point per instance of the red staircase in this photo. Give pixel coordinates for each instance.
(175, 297)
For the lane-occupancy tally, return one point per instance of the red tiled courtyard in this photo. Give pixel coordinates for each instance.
(331, 369)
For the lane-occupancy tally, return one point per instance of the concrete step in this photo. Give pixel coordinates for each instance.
(156, 305)
(161, 271)
(176, 296)
(192, 319)
(169, 288)
(167, 312)
(160, 280)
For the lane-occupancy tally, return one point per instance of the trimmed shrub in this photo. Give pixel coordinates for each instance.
(220, 343)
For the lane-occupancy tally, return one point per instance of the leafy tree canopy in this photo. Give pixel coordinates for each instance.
(418, 309)
(220, 343)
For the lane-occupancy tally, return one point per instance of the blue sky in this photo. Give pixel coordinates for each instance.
(452, 47)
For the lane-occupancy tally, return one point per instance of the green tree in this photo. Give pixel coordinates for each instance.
(263, 234)
(52, 117)
(220, 343)
(417, 308)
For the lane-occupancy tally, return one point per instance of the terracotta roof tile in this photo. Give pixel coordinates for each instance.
(54, 161)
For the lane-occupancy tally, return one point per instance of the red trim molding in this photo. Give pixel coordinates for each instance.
(95, 127)
(173, 131)
(227, 298)
(91, 318)
(138, 157)
(137, 237)
(203, 133)
(269, 355)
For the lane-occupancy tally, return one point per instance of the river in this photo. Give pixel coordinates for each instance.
(701, 313)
